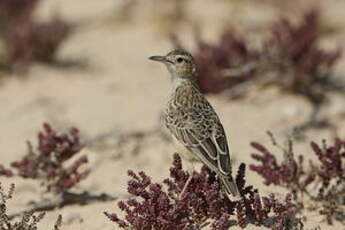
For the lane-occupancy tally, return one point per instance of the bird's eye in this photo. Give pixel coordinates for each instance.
(179, 60)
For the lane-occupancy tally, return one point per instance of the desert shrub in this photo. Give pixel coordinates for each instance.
(49, 162)
(47, 38)
(303, 67)
(290, 57)
(161, 206)
(28, 221)
(25, 40)
(323, 183)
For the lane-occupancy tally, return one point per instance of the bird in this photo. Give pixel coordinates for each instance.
(193, 123)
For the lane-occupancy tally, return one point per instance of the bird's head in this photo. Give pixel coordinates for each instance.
(179, 63)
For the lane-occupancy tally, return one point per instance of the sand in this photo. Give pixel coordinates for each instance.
(121, 91)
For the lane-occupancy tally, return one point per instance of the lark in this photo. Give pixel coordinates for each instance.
(192, 121)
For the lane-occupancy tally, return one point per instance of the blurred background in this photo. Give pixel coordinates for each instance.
(264, 65)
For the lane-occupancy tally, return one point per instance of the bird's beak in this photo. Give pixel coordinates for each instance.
(158, 58)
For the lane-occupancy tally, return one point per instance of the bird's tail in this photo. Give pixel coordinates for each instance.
(230, 187)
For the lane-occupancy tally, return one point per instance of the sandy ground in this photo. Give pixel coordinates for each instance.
(121, 91)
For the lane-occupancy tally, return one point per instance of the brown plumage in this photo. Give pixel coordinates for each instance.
(192, 120)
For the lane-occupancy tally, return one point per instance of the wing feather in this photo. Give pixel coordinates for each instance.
(211, 148)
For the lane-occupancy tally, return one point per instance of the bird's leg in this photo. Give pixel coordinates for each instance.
(190, 172)
(186, 185)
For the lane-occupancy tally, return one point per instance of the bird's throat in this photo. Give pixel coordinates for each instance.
(180, 81)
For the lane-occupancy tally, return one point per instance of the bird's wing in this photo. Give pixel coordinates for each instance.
(201, 132)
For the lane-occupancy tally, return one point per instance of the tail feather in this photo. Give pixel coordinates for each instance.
(230, 187)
